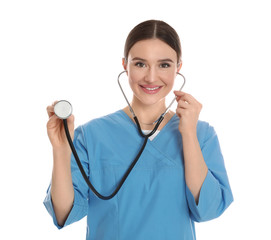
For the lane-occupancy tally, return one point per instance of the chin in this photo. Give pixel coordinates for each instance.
(149, 101)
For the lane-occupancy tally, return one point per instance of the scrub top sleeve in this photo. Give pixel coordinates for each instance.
(77, 212)
(215, 194)
(80, 204)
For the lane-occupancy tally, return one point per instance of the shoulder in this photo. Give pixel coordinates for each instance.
(204, 129)
(105, 130)
(202, 126)
(205, 133)
(103, 125)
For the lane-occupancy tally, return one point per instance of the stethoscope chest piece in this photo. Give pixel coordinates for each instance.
(63, 109)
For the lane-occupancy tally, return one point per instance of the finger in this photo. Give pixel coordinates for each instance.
(180, 112)
(54, 122)
(177, 98)
(183, 104)
(50, 109)
(179, 93)
(182, 95)
(70, 119)
(55, 102)
(186, 97)
(191, 101)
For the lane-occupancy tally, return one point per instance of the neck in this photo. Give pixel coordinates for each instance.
(148, 114)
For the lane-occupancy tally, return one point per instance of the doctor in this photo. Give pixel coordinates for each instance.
(180, 177)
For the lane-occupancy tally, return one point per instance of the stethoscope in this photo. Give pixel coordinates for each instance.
(63, 109)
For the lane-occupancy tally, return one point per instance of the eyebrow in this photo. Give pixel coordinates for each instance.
(160, 60)
(165, 60)
(137, 58)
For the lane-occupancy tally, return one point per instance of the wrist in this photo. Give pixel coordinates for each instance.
(61, 153)
(192, 134)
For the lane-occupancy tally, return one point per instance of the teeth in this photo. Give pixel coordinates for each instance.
(151, 89)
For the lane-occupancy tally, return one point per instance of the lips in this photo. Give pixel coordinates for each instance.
(151, 89)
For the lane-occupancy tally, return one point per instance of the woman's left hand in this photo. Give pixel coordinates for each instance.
(188, 110)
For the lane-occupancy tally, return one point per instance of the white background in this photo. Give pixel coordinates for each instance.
(52, 50)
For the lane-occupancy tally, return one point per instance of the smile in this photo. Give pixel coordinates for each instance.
(150, 89)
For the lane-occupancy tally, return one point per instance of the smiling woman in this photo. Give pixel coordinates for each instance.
(152, 57)
(151, 66)
(180, 177)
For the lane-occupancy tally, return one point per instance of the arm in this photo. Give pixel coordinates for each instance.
(195, 166)
(67, 196)
(215, 193)
(208, 191)
(188, 110)
(62, 193)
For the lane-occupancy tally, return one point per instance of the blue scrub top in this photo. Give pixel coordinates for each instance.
(154, 202)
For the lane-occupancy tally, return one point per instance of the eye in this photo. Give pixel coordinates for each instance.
(140, 64)
(164, 65)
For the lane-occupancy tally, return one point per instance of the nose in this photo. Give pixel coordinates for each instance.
(151, 75)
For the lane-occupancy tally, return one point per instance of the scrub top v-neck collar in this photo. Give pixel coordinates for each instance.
(170, 121)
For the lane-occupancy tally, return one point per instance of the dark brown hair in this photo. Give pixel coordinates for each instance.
(153, 29)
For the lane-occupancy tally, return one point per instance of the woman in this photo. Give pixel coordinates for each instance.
(180, 177)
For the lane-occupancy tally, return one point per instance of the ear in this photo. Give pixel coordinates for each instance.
(124, 64)
(179, 66)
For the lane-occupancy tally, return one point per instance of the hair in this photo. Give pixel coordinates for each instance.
(153, 29)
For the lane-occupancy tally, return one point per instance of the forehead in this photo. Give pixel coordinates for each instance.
(152, 49)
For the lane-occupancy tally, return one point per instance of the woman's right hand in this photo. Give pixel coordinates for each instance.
(56, 131)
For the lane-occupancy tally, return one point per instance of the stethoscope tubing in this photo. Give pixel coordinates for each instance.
(84, 173)
(128, 171)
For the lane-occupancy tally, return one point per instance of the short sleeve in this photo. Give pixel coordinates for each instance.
(80, 204)
(215, 194)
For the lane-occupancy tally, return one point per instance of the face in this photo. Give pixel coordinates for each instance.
(151, 67)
